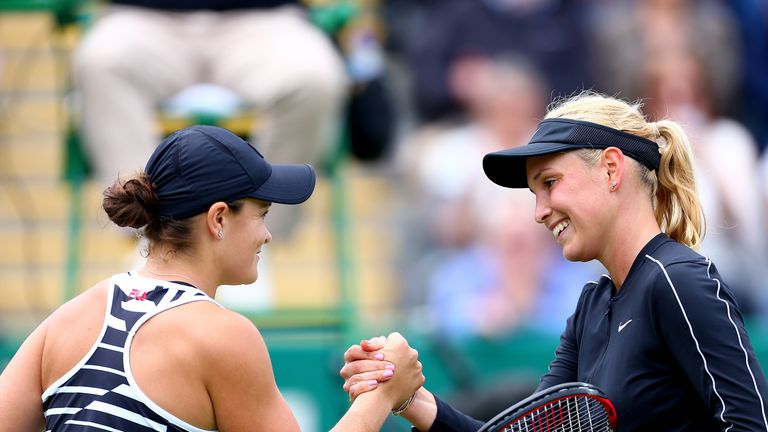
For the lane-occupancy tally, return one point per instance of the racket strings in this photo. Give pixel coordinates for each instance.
(570, 414)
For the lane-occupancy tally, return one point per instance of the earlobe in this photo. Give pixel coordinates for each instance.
(215, 219)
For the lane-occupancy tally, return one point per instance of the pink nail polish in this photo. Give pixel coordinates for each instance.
(387, 373)
(389, 366)
(372, 383)
(379, 356)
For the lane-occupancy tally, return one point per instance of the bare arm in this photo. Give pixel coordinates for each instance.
(240, 379)
(21, 406)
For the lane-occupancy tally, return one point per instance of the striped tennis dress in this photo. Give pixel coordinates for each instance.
(100, 392)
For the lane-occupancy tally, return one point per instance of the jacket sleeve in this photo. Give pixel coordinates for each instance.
(564, 368)
(699, 320)
(449, 419)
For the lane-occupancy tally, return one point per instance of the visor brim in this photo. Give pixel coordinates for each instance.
(507, 167)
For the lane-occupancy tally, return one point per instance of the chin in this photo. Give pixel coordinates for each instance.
(251, 278)
(244, 279)
(250, 273)
(575, 255)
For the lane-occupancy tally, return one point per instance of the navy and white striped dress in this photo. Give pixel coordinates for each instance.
(100, 392)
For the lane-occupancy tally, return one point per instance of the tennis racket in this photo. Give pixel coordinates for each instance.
(568, 407)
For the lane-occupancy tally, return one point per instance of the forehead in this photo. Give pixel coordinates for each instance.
(257, 203)
(535, 165)
(262, 203)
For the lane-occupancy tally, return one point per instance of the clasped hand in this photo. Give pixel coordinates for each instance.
(388, 364)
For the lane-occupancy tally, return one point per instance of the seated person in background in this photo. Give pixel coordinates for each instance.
(511, 278)
(141, 52)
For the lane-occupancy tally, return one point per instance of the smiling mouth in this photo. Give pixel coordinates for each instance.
(560, 227)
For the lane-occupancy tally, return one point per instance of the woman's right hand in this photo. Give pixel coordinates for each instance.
(365, 367)
(408, 377)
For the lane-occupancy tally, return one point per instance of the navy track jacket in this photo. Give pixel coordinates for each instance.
(669, 349)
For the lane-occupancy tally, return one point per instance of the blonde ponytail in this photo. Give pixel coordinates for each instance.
(673, 188)
(678, 209)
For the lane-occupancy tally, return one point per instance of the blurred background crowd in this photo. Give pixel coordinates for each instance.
(395, 102)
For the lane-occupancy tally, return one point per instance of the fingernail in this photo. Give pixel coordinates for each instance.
(372, 383)
(387, 373)
(379, 356)
(389, 366)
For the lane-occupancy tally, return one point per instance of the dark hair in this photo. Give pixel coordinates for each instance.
(131, 201)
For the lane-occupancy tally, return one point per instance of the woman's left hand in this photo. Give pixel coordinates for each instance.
(364, 367)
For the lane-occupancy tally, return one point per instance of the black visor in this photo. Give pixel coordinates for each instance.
(507, 167)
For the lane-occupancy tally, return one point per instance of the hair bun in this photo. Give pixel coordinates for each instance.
(130, 202)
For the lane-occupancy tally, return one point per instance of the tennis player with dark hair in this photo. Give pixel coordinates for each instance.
(150, 350)
(661, 333)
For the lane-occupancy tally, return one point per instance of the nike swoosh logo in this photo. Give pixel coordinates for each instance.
(621, 326)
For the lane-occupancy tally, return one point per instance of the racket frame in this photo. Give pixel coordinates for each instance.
(549, 396)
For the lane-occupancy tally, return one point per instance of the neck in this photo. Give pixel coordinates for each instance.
(176, 271)
(629, 237)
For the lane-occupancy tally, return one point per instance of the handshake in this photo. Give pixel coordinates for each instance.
(388, 366)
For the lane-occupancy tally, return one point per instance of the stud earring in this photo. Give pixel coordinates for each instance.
(220, 234)
(613, 186)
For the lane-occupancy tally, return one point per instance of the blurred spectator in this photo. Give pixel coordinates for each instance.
(503, 99)
(676, 87)
(489, 268)
(752, 16)
(512, 277)
(547, 33)
(141, 52)
(684, 58)
(627, 33)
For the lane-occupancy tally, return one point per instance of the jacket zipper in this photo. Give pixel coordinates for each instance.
(607, 316)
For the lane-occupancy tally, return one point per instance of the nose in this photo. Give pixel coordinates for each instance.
(542, 211)
(268, 238)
